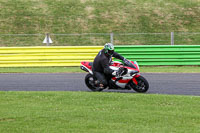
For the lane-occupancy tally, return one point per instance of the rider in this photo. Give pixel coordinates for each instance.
(101, 63)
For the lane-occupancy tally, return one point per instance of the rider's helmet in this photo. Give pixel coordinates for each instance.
(109, 48)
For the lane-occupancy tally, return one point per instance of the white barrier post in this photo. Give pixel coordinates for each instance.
(172, 38)
(111, 37)
(47, 40)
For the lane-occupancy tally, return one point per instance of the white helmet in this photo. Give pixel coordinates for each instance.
(109, 48)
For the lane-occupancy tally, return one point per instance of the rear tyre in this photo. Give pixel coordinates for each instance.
(89, 81)
(142, 85)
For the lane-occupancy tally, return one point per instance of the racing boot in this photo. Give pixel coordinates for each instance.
(98, 84)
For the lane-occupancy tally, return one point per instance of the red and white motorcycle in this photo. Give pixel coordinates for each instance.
(127, 79)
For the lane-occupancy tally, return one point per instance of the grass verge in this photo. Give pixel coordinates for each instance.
(150, 69)
(97, 112)
(98, 16)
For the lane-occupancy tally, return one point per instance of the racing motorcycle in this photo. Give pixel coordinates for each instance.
(128, 77)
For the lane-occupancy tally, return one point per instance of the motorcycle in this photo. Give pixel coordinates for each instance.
(128, 77)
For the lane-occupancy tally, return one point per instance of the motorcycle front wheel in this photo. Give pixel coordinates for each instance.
(89, 81)
(142, 85)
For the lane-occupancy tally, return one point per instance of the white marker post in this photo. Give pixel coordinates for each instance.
(47, 40)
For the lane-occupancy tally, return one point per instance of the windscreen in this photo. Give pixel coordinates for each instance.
(129, 64)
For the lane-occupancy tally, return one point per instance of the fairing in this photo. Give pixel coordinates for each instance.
(132, 72)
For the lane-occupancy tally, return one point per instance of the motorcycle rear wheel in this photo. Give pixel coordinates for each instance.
(89, 81)
(142, 85)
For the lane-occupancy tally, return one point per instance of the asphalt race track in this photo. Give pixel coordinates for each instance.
(160, 83)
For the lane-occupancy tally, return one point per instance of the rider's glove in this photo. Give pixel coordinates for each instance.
(125, 61)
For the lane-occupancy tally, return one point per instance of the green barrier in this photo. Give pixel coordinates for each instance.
(162, 54)
(73, 55)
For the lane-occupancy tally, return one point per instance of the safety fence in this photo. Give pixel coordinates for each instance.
(73, 55)
(46, 56)
(98, 39)
(162, 54)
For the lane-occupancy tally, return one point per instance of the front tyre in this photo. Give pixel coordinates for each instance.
(89, 81)
(142, 85)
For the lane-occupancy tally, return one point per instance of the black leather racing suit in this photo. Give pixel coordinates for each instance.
(101, 67)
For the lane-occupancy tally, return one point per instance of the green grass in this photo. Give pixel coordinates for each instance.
(94, 16)
(52, 112)
(143, 69)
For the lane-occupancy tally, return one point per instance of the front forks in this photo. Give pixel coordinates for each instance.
(134, 79)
